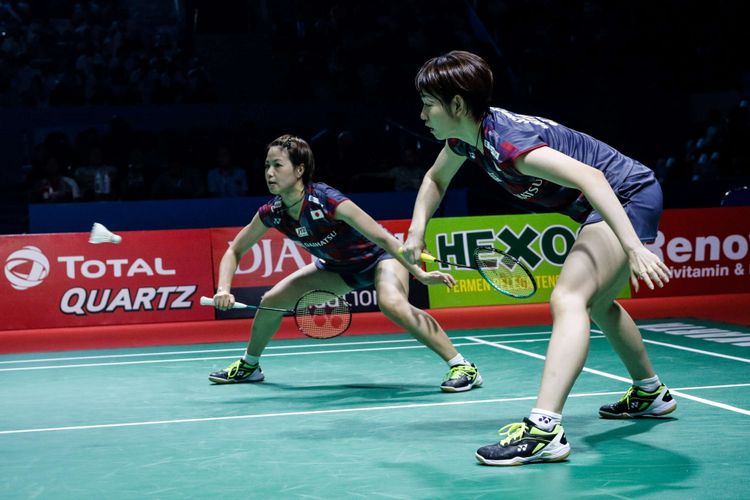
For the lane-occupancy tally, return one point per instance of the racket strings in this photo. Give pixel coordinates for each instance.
(505, 273)
(322, 314)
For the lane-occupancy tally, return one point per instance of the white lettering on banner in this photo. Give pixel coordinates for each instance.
(262, 254)
(81, 302)
(93, 269)
(699, 272)
(702, 248)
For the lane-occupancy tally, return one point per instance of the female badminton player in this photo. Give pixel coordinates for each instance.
(547, 166)
(351, 251)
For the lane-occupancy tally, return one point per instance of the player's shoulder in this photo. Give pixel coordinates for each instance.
(324, 195)
(274, 205)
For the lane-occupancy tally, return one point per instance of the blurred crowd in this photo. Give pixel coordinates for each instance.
(88, 52)
(551, 58)
(127, 163)
(717, 150)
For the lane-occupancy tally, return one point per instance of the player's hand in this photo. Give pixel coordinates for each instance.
(412, 249)
(223, 301)
(646, 266)
(436, 278)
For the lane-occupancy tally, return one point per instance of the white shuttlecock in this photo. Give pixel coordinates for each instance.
(100, 234)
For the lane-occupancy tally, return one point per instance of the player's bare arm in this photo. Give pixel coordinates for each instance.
(434, 185)
(245, 239)
(349, 212)
(547, 163)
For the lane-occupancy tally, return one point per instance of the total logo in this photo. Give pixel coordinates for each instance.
(26, 268)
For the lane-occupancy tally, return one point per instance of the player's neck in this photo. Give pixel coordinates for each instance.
(470, 132)
(292, 201)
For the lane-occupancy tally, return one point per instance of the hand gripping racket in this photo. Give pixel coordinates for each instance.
(318, 314)
(502, 271)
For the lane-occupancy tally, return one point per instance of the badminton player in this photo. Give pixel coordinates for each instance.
(351, 251)
(546, 166)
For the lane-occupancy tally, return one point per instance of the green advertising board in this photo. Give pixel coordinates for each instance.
(541, 241)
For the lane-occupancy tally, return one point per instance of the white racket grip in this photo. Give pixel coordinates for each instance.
(208, 301)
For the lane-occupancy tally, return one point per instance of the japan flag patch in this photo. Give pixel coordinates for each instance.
(316, 214)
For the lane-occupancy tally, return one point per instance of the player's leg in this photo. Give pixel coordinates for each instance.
(589, 268)
(392, 285)
(283, 295)
(647, 397)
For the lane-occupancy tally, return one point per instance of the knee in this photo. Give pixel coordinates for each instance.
(392, 305)
(274, 298)
(602, 309)
(565, 299)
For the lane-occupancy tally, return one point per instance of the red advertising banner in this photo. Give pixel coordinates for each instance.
(708, 250)
(61, 280)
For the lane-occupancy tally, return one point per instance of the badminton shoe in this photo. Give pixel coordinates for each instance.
(526, 443)
(238, 372)
(639, 403)
(461, 378)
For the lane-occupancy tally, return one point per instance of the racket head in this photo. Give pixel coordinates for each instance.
(504, 273)
(320, 314)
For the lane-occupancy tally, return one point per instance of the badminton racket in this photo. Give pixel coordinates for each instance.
(318, 314)
(502, 271)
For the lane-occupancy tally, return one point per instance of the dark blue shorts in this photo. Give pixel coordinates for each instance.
(642, 203)
(356, 279)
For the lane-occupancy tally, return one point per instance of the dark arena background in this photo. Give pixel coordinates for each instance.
(152, 117)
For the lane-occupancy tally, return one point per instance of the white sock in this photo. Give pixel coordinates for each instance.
(251, 360)
(457, 360)
(545, 420)
(648, 384)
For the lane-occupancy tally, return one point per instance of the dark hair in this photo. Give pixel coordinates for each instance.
(299, 152)
(457, 73)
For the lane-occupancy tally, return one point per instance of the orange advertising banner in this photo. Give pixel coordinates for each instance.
(61, 280)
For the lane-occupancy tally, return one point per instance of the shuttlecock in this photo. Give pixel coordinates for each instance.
(100, 234)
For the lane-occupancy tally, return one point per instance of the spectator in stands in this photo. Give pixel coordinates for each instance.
(53, 186)
(226, 179)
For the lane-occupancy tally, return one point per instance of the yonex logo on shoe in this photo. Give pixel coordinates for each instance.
(522, 447)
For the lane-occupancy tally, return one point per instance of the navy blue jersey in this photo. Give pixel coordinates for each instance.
(507, 135)
(340, 246)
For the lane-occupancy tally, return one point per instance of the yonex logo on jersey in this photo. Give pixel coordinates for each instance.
(313, 199)
(316, 214)
(276, 221)
(26, 268)
(301, 232)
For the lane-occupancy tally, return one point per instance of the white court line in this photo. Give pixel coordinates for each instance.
(308, 353)
(617, 377)
(288, 414)
(323, 412)
(698, 351)
(299, 346)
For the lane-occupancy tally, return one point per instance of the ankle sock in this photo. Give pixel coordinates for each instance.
(648, 384)
(251, 360)
(545, 420)
(457, 360)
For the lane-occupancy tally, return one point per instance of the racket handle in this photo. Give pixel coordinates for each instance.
(424, 257)
(208, 301)
(427, 257)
